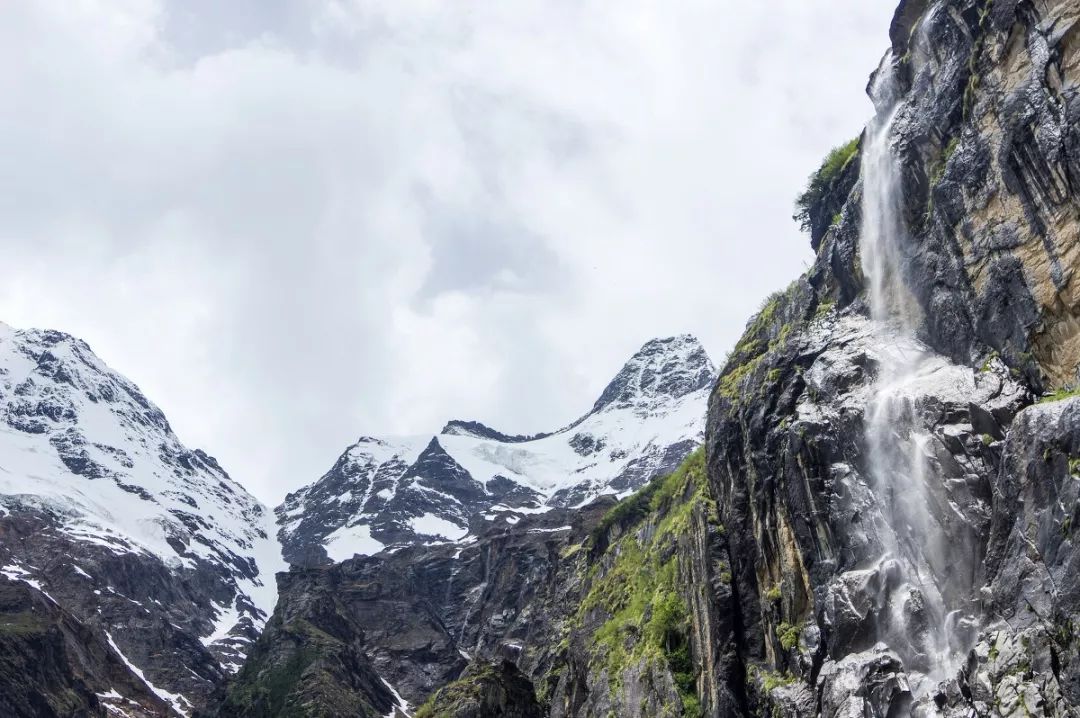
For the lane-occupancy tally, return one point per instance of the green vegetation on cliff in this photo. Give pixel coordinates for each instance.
(308, 673)
(464, 691)
(484, 690)
(821, 182)
(748, 372)
(640, 595)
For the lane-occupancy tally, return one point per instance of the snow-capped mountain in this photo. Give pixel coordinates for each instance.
(391, 491)
(108, 514)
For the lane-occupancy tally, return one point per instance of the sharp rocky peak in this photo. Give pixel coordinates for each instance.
(457, 427)
(103, 509)
(668, 368)
(663, 369)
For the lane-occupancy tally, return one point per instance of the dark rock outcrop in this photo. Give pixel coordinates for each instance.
(52, 664)
(986, 141)
(485, 690)
(612, 608)
(415, 617)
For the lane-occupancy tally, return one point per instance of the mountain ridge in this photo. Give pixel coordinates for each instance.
(150, 544)
(406, 489)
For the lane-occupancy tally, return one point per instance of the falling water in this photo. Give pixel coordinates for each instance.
(925, 621)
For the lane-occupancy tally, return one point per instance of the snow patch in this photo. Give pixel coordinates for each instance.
(432, 525)
(18, 573)
(402, 704)
(179, 703)
(348, 541)
(225, 618)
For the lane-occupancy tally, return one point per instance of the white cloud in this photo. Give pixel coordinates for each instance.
(293, 223)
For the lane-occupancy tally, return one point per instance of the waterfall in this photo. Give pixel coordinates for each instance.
(926, 618)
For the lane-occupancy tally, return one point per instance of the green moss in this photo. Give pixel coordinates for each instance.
(724, 572)
(648, 499)
(989, 361)
(571, 550)
(773, 594)
(730, 385)
(823, 308)
(987, 440)
(765, 333)
(788, 635)
(821, 181)
(465, 690)
(628, 512)
(1065, 393)
(22, 623)
(267, 693)
(938, 169)
(1064, 633)
(645, 616)
(771, 680)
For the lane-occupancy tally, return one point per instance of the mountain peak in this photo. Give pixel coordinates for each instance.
(670, 367)
(476, 429)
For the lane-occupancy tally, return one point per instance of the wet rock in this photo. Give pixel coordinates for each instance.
(485, 690)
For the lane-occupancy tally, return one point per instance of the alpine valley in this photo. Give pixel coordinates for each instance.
(871, 509)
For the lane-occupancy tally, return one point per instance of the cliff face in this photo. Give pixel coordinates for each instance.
(53, 664)
(849, 601)
(390, 629)
(989, 147)
(610, 609)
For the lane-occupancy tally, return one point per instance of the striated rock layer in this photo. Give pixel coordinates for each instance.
(985, 140)
(607, 609)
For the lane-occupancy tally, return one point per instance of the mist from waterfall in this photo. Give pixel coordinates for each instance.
(926, 616)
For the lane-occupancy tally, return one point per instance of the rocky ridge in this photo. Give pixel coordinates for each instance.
(150, 546)
(592, 607)
(394, 491)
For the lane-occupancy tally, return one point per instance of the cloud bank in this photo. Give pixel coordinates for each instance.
(293, 223)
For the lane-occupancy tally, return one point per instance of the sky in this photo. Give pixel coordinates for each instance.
(293, 223)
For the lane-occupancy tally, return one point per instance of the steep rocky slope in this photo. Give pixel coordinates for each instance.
(883, 522)
(607, 609)
(485, 690)
(150, 546)
(53, 664)
(394, 491)
(861, 597)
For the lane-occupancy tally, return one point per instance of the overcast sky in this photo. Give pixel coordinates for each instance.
(293, 223)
